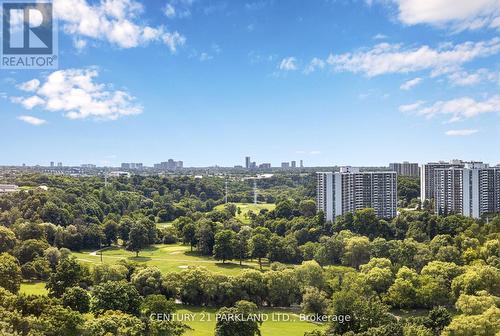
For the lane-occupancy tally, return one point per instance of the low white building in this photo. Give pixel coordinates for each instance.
(5, 188)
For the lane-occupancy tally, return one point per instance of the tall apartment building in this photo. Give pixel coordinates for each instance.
(171, 164)
(470, 191)
(132, 165)
(427, 171)
(350, 190)
(247, 162)
(405, 169)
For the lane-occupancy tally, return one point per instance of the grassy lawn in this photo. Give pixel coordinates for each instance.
(33, 287)
(163, 225)
(246, 207)
(168, 258)
(294, 327)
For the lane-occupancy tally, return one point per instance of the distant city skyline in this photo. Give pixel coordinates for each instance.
(261, 165)
(328, 82)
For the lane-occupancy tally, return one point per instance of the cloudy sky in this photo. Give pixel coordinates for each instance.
(209, 82)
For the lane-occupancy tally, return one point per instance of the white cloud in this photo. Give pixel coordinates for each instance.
(114, 21)
(464, 78)
(28, 103)
(410, 83)
(169, 10)
(80, 43)
(75, 93)
(316, 63)
(456, 14)
(411, 107)
(388, 58)
(29, 86)
(380, 37)
(288, 64)
(461, 132)
(205, 57)
(457, 109)
(32, 120)
(173, 40)
(178, 9)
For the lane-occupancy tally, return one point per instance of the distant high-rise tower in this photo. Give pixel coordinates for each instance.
(470, 191)
(427, 173)
(51, 164)
(59, 164)
(294, 164)
(350, 190)
(247, 162)
(405, 168)
(301, 164)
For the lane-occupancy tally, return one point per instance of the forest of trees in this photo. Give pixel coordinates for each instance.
(359, 265)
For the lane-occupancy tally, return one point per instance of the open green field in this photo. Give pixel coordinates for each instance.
(168, 258)
(33, 287)
(204, 322)
(163, 225)
(246, 207)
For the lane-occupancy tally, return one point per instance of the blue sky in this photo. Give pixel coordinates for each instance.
(209, 82)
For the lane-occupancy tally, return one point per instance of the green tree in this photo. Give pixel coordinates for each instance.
(10, 273)
(115, 295)
(241, 247)
(307, 208)
(30, 249)
(69, 273)
(189, 235)
(111, 229)
(77, 299)
(37, 269)
(159, 304)
(403, 292)
(363, 312)
(53, 255)
(224, 245)
(437, 319)
(138, 238)
(284, 209)
(408, 188)
(357, 251)
(56, 320)
(477, 278)
(7, 239)
(314, 301)
(282, 287)
(109, 272)
(225, 326)
(488, 323)
(114, 322)
(310, 274)
(259, 246)
(249, 284)
(205, 237)
(147, 281)
(476, 304)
